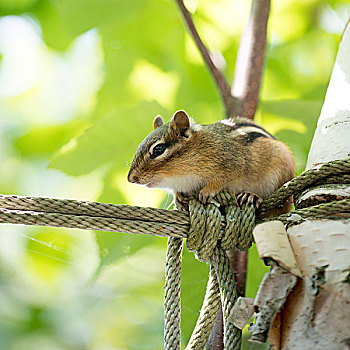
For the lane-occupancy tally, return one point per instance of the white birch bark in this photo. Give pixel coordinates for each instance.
(322, 321)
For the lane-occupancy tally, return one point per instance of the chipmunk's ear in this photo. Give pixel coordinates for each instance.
(181, 122)
(157, 122)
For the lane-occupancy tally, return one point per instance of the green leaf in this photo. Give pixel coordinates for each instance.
(113, 139)
(114, 245)
(43, 141)
(11, 7)
(194, 277)
(293, 122)
(64, 20)
(255, 273)
(307, 111)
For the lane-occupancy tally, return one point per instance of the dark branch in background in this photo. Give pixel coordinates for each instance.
(245, 87)
(239, 266)
(216, 336)
(229, 101)
(241, 100)
(250, 59)
(239, 262)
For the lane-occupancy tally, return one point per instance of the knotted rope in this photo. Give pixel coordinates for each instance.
(336, 171)
(237, 231)
(204, 237)
(209, 233)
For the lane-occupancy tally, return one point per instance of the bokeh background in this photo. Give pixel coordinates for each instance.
(80, 83)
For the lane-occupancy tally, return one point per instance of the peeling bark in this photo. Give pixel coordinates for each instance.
(316, 314)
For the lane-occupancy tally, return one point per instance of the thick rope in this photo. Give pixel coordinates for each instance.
(335, 210)
(335, 171)
(95, 209)
(206, 229)
(172, 289)
(206, 219)
(222, 266)
(94, 223)
(203, 237)
(212, 233)
(209, 310)
(198, 218)
(163, 229)
(239, 227)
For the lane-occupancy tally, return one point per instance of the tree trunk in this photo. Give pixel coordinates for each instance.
(316, 314)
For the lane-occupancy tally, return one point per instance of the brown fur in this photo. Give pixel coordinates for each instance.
(213, 157)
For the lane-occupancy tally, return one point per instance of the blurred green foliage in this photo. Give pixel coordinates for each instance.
(80, 83)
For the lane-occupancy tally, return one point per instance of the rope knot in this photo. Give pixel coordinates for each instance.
(220, 222)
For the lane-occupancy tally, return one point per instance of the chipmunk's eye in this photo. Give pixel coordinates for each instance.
(158, 150)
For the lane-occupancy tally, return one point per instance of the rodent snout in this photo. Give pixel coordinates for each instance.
(132, 178)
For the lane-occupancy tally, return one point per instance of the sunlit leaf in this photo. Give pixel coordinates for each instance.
(111, 140)
(193, 286)
(43, 141)
(15, 6)
(256, 271)
(293, 122)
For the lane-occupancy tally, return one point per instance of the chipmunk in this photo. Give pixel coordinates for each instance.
(234, 154)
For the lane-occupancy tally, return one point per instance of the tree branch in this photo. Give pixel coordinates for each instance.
(239, 266)
(250, 59)
(242, 100)
(245, 87)
(229, 101)
(216, 337)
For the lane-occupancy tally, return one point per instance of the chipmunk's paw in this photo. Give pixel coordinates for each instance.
(206, 195)
(249, 198)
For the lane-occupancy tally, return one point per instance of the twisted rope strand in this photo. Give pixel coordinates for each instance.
(75, 207)
(207, 315)
(148, 227)
(93, 223)
(212, 234)
(319, 211)
(222, 266)
(198, 218)
(206, 228)
(172, 290)
(331, 169)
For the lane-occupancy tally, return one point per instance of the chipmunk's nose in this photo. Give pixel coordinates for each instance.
(133, 178)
